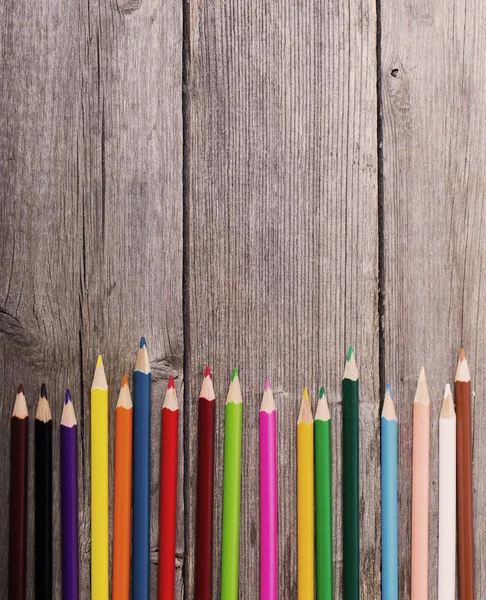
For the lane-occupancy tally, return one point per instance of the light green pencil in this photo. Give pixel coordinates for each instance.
(231, 491)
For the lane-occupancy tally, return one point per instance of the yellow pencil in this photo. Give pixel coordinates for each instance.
(305, 495)
(99, 484)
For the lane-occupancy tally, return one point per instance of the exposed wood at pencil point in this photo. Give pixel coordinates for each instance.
(207, 390)
(388, 411)
(305, 414)
(43, 412)
(124, 397)
(322, 410)
(447, 411)
(20, 406)
(462, 372)
(268, 385)
(170, 400)
(99, 378)
(268, 402)
(142, 363)
(234, 391)
(68, 417)
(422, 391)
(351, 370)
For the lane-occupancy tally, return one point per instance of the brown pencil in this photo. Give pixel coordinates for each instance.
(18, 497)
(465, 532)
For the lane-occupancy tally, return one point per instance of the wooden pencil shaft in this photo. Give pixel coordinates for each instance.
(122, 506)
(465, 530)
(168, 503)
(420, 501)
(204, 506)
(230, 546)
(305, 502)
(43, 510)
(350, 442)
(447, 509)
(141, 485)
(323, 478)
(18, 509)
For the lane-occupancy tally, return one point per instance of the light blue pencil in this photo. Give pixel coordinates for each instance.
(389, 499)
(141, 476)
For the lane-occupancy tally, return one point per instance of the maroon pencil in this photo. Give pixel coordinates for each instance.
(205, 480)
(18, 497)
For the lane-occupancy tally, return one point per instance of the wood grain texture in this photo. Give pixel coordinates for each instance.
(91, 213)
(282, 249)
(434, 125)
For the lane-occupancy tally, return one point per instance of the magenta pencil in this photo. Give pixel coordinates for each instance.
(268, 497)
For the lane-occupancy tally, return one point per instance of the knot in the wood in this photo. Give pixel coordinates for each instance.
(129, 6)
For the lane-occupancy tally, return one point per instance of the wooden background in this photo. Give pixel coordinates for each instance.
(251, 184)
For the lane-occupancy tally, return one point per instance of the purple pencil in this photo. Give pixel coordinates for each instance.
(268, 497)
(69, 500)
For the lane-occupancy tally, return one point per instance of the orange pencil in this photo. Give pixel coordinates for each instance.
(123, 494)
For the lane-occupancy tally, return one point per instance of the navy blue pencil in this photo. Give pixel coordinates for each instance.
(141, 476)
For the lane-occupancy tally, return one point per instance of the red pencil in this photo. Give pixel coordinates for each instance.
(168, 493)
(18, 498)
(205, 480)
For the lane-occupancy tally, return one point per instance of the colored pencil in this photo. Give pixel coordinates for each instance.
(420, 490)
(99, 484)
(389, 499)
(231, 491)
(268, 497)
(205, 482)
(447, 498)
(465, 531)
(323, 469)
(305, 500)
(18, 498)
(350, 416)
(43, 498)
(69, 500)
(141, 475)
(168, 493)
(123, 494)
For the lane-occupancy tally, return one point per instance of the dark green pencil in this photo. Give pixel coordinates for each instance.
(350, 412)
(323, 476)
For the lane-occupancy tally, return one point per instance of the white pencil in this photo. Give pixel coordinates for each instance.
(447, 498)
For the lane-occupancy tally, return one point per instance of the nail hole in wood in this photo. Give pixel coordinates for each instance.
(394, 72)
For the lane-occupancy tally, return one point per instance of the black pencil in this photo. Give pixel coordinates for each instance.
(43, 499)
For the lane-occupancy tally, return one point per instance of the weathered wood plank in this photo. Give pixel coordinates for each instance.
(434, 126)
(91, 212)
(283, 244)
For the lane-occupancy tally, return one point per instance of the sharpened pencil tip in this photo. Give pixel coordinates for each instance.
(67, 397)
(20, 389)
(267, 385)
(305, 394)
(462, 355)
(350, 353)
(170, 385)
(124, 380)
(142, 342)
(388, 389)
(207, 372)
(43, 391)
(99, 362)
(234, 374)
(322, 392)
